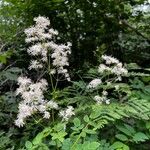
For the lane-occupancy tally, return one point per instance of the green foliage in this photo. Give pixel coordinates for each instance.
(5, 141)
(5, 56)
(110, 27)
(89, 33)
(129, 134)
(119, 146)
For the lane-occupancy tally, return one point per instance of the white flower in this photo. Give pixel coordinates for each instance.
(24, 112)
(98, 99)
(31, 39)
(67, 113)
(94, 4)
(35, 49)
(110, 60)
(44, 46)
(120, 65)
(117, 87)
(53, 71)
(24, 81)
(34, 64)
(103, 68)
(46, 115)
(94, 83)
(37, 32)
(69, 45)
(116, 67)
(107, 101)
(41, 108)
(42, 22)
(118, 70)
(60, 57)
(52, 105)
(33, 99)
(52, 31)
(19, 122)
(44, 84)
(105, 93)
(80, 12)
(30, 31)
(101, 99)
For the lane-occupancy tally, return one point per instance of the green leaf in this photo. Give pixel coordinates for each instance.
(86, 118)
(95, 114)
(41, 135)
(38, 139)
(121, 137)
(83, 134)
(89, 146)
(52, 143)
(76, 122)
(148, 125)
(40, 146)
(118, 145)
(131, 129)
(4, 56)
(124, 130)
(89, 131)
(28, 145)
(3, 59)
(140, 137)
(66, 144)
(59, 127)
(60, 136)
(93, 146)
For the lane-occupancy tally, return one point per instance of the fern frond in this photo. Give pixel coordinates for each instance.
(105, 114)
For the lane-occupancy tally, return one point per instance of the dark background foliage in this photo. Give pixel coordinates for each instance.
(114, 27)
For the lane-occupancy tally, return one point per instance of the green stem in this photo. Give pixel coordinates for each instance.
(38, 121)
(78, 138)
(53, 115)
(72, 147)
(76, 141)
(56, 83)
(51, 81)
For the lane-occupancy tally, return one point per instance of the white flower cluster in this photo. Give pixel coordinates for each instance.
(110, 60)
(111, 66)
(42, 39)
(60, 58)
(114, 67)
(34, 64)
(103, 98)
(94, 83)
(33, 99)
(43, 48)
(95, 4)
(37, 33)
(67, 113)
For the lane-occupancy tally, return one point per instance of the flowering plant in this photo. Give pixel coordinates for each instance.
(48, 57)
(85, 106)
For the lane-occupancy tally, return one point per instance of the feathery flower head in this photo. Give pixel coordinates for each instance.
(67, 113)
(42, 22)
(94, 83)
